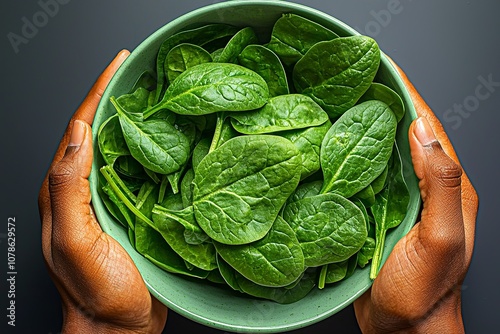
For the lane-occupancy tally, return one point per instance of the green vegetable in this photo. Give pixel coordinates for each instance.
(276, 260)
(201, 36)
(329, 228)
(390, 208)
(147, 81)
(235, 46)
(282, 295)
(265, 168)
(172, 227)
(184, 56)
(293, 36)
(266, 63)
(240, 187)
(281, 113)
(158, 145)
(366, 252)
(337, 73)
(332, 273)
(308, 142)
(112, 145)
(357, 147)
(213, 87)
(380, 92)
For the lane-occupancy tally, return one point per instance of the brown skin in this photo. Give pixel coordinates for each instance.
(417, 290)
(100, 287)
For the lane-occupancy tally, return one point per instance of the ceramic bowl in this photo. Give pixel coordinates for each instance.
(217, 306)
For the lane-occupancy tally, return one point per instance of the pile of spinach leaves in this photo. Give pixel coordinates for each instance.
(270, 167)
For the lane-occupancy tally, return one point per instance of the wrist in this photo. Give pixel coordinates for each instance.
(446, 317)
(443, 317)
(84, 321)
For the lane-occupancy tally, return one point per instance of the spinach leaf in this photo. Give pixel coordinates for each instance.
(305, 190)
(213, 87)
(366, 196)
(294, 35)
(266, 63)
(172, 201)
(337, 73)
(146, 199)
(366, 252)
(156, 144)
(172, 228)
(329, 228)
(215, 277)
(357, 147)
(152, 175)
(116, 207)
(228, 274)
(135, 103)
(193, 234)
(378, 91)
(390, 208)
(201, 36)
(281, 113)
(117, 184)
(235, 46)
(187, 188)
(379, 183)
(200, 151)
(308, 142)
(226, 132)
(127, 166)
(240, 187)
(216, 54)
(152, 246)
(110, 139)
(184, 56)
(283, 295)
(276, 260)
(146, 80)
(332, 273)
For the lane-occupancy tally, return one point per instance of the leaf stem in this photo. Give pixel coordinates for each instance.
(218, 131)
(377, 255)
(118, 182)
(149, 112)
(112, 183)
(322, 276)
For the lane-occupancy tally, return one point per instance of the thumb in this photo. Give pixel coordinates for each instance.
(69, 188)
(442, 226)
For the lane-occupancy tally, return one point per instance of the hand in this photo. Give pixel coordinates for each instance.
(418, 290)
(100, 287)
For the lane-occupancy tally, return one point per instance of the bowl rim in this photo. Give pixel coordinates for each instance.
(200, 12)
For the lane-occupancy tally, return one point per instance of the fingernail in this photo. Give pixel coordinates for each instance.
(122, 55)
(77, 133)
(423, 132)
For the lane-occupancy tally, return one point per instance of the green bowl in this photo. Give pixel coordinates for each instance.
(216, 306)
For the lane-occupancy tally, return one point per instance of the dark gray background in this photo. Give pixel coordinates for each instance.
(448, 48)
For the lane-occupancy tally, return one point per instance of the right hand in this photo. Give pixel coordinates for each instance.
(418, 289)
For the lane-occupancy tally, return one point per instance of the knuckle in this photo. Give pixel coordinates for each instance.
(447, 243)
(62, 174)
(448, 173)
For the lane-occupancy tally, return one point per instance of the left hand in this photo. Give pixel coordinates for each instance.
(100, 287)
